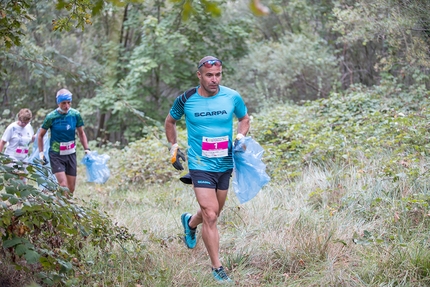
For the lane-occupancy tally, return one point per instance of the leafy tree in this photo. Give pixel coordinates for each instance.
(106, 58)
(158, 62)
(283, 71)
(15, 14)
(393, 34)
(292, 54)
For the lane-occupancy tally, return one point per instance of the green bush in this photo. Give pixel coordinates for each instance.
(43, 231)
(344, 127)
(147, 160)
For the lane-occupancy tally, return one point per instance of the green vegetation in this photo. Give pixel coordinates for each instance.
(120, 58)
(45, 234)
(338, 92)
(348, 205)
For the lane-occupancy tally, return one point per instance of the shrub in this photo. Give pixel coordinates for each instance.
(146, 161)
(345, 127)
(43, 230)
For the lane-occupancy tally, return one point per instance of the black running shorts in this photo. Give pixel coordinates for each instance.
(208, 179)
(63, 163)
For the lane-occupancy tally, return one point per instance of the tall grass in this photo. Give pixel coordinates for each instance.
(334, 225)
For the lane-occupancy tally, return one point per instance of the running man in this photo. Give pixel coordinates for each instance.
(64, 122)
(209, 111)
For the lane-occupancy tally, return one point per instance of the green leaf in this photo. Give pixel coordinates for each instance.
(12, 242)
(13, 200)
(25, 193)
(10, 189)
(18, 212)
(65, 266)
(8, 176)
(32, 256)
(6, 196)
(366, 234)
(46, 263)
(20, 249)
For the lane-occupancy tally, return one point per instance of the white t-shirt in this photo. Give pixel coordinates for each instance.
(19, 139)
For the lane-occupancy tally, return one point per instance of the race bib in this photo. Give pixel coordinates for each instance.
(215, 147)
(21, 150)
(67, 148)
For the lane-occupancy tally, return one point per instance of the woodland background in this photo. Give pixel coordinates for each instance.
(125, 61)
(338, 92)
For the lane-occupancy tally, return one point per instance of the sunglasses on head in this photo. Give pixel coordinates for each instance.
(211, 63)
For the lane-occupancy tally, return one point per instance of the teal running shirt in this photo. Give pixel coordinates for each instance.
(209, 123)
(63, 127)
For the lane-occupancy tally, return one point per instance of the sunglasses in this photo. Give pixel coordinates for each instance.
(211, 63)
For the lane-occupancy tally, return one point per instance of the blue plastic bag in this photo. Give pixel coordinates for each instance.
(44, 170)
(96, 165)
(35, 154)
(249, 170)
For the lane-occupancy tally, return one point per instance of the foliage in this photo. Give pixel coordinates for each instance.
(345, 126)
(154, 69)
(145, 161)
(399, 28)
(12, 14)
(77, 14)
(306, 17)
(130, 57)
(43, 230)
(43, 70)
(340, 128)
(283, 71)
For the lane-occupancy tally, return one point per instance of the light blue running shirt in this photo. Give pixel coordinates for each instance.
(209, 126)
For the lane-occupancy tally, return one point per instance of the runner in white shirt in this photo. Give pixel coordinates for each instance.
(18, 136)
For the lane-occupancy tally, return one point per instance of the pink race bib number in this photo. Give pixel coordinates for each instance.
(67, 148)
(21, 150)
(215, 147)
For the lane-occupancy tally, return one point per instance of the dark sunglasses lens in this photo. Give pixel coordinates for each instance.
(212, 63)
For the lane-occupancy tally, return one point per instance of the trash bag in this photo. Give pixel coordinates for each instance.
(96, 165)
(249, 174)
(35, 154)
(44, 170)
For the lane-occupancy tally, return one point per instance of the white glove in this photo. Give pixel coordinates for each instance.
(236, 145)
(87, 151)
(239, 136)
(42, 157)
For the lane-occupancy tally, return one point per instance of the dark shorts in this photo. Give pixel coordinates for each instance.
(63, 163)
(208, 179)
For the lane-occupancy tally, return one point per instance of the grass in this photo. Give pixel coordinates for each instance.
(333, 226)
(348, 204)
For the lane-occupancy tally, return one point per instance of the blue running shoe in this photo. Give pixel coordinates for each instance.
(220, 275)
(190, 234)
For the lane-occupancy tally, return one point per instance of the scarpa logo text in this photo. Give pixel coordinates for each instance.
(203, 181)
(214, 113)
